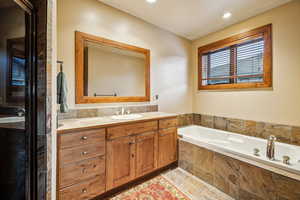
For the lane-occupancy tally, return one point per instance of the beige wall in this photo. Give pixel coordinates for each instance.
(111, 72)
(282, 103)
(170, 69)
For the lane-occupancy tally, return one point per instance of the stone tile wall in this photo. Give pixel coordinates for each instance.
(238, 179)
(284, 133)
(185, 119)
(105, 111)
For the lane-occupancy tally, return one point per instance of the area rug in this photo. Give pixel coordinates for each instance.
(157, 188)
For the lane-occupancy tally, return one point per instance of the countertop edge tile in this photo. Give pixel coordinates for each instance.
(82, 124)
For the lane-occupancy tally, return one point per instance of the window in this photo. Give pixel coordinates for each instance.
(241, 61)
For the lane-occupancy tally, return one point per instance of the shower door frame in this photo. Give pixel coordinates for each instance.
(31, 130)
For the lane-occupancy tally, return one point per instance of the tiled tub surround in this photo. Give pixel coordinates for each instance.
(105, 111)
(236, 177)
(284, 133)
(242, 147)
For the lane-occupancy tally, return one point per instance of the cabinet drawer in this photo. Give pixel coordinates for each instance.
(81, 153)
(79, 171)
(131, 129)
(167, 123)
(167, 131)
(81, 138)
(85, 190)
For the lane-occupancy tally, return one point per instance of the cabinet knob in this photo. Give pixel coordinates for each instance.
(131, 143)
(84, 190)
(84, 170)
(84, 137)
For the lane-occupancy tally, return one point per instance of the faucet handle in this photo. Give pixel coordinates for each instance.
(256, 151)
(272, 138)
(286, 160)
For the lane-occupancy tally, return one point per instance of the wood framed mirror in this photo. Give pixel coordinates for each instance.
(108, 71)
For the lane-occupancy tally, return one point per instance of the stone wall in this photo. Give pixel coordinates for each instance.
(284, 133)
(238, 179)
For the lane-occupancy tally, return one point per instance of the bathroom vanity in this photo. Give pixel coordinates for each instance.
(96, 155)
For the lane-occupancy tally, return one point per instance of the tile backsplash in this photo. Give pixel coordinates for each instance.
(284, 133)
(105, 111)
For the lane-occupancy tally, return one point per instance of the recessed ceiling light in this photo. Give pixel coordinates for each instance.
(227, 15)
(151, 1)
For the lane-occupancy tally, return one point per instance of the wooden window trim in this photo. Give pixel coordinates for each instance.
(266, 33)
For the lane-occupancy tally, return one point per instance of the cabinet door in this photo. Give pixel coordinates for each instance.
(146, 153)
(167, 146)
(120, 161)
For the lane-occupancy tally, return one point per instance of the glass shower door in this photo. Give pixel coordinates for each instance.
(16, 65)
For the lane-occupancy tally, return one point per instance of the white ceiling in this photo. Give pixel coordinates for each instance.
(193, 18)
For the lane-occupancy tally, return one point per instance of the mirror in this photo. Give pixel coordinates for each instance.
(109, 71)
(16, 70)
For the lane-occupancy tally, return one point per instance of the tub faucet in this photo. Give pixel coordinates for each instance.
(271, 147)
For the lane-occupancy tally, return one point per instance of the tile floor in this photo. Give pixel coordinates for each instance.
(193, 187)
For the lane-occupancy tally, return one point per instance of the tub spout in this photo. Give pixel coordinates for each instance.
(271, 147)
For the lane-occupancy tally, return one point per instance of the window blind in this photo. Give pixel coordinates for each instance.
(250, 61)
(240, 63)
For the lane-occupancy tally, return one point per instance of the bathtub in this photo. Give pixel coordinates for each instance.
(241, 147)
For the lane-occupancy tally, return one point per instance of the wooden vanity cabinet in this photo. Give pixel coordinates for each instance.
(81, 164)
(146, 153)
(127, 146)
(120, 161)
(92, 162)
(130, 157)
(167, 141)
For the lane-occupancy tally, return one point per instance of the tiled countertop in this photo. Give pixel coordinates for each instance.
(95, 122)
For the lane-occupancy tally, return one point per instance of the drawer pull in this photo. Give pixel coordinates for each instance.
(84, 153)
(84, 170)
(84, 190)
(131, 143)
(84, 138)
(164, 134)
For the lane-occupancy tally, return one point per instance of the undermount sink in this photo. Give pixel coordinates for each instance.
(130, 116)
(7, 120)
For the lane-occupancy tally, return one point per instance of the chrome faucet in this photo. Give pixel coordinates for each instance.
(271, 147)
(122, 111)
